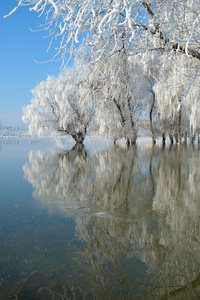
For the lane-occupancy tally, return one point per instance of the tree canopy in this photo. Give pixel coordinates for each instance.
(140, 26)
(139, 60)
(59, 106)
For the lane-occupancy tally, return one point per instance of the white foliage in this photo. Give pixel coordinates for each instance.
(103, 29)
(145, 25)
(60, 105)
(117, 88)
(178, 86)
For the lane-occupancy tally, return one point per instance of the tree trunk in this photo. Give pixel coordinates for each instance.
(127, 142)
(185, 137)
(193, 137)
(171, 134)
(163, 139)
(171, 138)
(79, 138)
(176, 136)
(179, 125)
(151, 120)
(133, 141)
(115, 140)
(153, 140)
(133, 123)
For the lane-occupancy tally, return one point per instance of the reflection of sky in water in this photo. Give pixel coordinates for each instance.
(114, 223)
(33, 243)
(30, 240)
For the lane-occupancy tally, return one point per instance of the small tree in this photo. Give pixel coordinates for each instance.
(60, 106)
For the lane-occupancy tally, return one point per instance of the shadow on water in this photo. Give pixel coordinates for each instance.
(137, 225)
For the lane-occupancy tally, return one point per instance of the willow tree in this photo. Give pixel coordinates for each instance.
(177, 92)
(117, 85)
(106, 27)
(61, 106)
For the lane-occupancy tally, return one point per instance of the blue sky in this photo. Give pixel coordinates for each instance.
(19, 73)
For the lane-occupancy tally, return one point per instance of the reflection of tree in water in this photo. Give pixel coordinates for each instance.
(134, 210)
(57, 175)
(74, 179)
(176, 202)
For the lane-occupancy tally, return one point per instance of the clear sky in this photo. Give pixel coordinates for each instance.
(19, 73)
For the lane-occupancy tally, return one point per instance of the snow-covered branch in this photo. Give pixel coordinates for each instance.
(173, 25)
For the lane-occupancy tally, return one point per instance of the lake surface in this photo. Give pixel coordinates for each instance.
(98, 222)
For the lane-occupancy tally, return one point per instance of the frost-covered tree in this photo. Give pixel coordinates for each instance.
(149, 77)
(148, 25)
(192, 103)
(117, 89)
(107, 28)
(151, 104)
(177, 93)
(61, 105)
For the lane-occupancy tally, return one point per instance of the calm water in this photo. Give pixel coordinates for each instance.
(99, 222)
